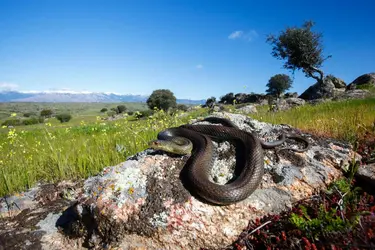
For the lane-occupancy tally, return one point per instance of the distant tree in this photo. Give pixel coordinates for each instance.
(33, 120)
(161, 99)
(302, 48)
(130, 112)
(278, 84)
(46, 113)
(28, 114)
(121, 108)
(227, 99)
(182, 107)
(104, 110)
(63, 117)
(115, 110)
(210, 102)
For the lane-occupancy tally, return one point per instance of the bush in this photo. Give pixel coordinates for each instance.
(121, 108)
(161, 99)
(104, 110)
(210, 102)
(227, 99)
(130, 113)
(46, 113)
(182, 107)
(111, 113)
(63, 117)
(28, 114)
(12, 122)
(115, 110)
(144, 113)
(33, 120)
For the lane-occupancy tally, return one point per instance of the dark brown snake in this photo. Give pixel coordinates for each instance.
(249, 154)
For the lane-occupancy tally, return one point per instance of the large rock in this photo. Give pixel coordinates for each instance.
(337, 82)
(366, 177)
(352, 94)
(142, 203)
(318, 91)
(288, 103)
(361, 80)
(248, 109)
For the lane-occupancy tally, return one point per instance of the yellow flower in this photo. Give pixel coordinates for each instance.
(3, 126)
(13, 114)
(48, 124)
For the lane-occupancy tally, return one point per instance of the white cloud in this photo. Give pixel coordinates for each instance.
(247, 36)
(235, 34)
(8, 86)
(199, 66)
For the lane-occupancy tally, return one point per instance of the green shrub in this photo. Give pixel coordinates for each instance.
(104, 110)
(33, 120)
(144, 113)
(28, 114)
(46, 113)
(366, 86)
(63, 117)
(130, 112)
(182, 107)
(121, 108)
(161, 99)
(12, 122)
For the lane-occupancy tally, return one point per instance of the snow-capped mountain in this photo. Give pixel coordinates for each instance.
(74, 96)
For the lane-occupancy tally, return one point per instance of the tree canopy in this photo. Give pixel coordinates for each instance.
(301, 48)
(278, 84)
(161, 99)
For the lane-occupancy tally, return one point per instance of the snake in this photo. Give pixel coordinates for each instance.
(196, 141)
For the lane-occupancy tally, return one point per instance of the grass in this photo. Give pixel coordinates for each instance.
(49, 152)
(82, 147)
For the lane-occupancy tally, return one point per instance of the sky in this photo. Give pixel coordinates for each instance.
(195, 48)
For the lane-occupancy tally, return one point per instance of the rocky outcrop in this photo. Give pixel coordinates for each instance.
(352, 94)
(362, 80)
(337, 82)
(248, 109)
(291, 95)
(366, 177)
(318, 91)
(144, 203)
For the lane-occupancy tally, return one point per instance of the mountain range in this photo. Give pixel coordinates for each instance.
(73, 96)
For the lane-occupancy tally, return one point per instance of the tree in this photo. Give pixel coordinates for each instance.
(161, 99)
(227, 99)
(46, 113)
(302, 49)
(210, 102)
(63, 117)
(104, 110)
(278, 84)
(121, 108)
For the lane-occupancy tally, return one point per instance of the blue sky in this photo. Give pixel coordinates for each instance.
(195, 48)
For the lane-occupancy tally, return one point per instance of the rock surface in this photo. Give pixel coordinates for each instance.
(248, 109)
(361, 80)
(143, 204)
(317, 91)
(366, 176)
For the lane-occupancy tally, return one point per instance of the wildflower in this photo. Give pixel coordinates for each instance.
(13, 114)
(48, 124)
(3, 126)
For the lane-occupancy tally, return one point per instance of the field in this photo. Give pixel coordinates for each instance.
(54, 151)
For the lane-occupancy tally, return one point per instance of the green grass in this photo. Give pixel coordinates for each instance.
(55, 151)
(51, 152)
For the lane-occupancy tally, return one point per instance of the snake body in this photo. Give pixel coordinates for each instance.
(249, 155)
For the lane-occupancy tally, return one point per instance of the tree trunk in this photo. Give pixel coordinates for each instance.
(313, 70)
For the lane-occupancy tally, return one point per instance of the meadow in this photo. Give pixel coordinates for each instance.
(54, 151)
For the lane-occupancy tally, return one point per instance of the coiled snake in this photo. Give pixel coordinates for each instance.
(196, 139)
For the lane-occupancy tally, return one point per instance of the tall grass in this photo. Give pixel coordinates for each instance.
(344, 120)
(51, 154)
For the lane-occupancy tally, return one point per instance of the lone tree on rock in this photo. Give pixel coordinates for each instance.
(161, 99)
(278, 84)
(302, 48)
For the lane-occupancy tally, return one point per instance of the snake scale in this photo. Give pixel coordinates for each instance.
(249, 154)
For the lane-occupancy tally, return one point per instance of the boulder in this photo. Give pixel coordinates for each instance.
(337, 82)
(291, 94)
(288, 103)
(366, 177)
(248, 109)
(352, 94)
(362, 80)
(143, 204)
(317, 91)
